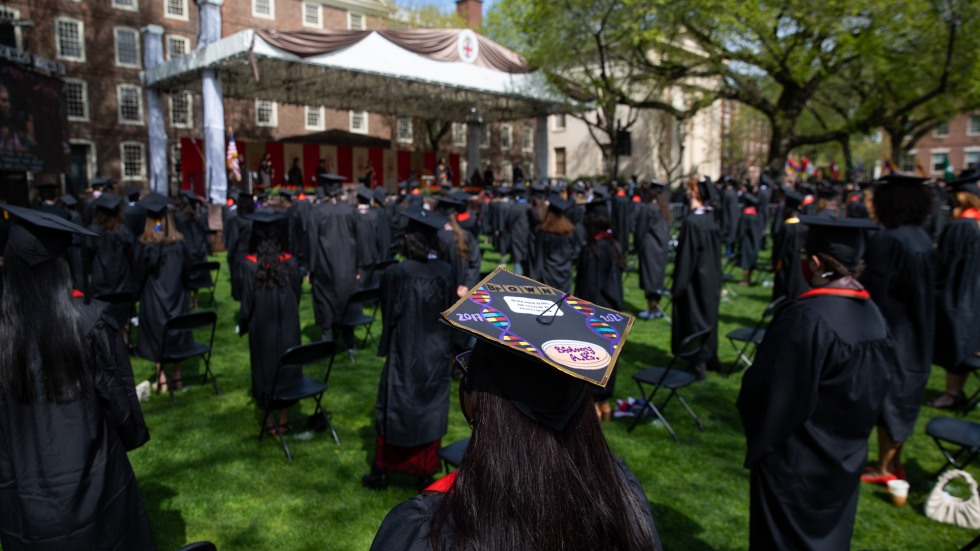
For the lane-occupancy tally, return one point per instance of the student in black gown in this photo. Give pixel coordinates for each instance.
(369, 243)
(518, 228)
(457, 246)
(749, 237)
(133, 214)
(811, 397)
(901, 276)
(697, 278)
(788, 280)
(412, 411)
(537, 474)
(729, 215)
(75, 253)
(958, 293)
(499, 213)
(68, 407)
(239, 235)
(557, 246)
(193, 225)
(269, 314)
(110, 257)
(161, 268)
(651, 239)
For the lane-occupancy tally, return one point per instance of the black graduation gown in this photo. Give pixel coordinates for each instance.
(697, 284)
(788, 279)
(270, 317)
(958, 294)
(333, 261)
(553, 259)
(900, 273)
(301, 211)
(134, 217)
(65, 480)
(413, 394)
(621, 215)
(808, 404)
(195, 232)
(728, 217)
(765, 198)
(369, 250)
(599, 280)
(499, 212)
(518, 228)
(749, 238)
(408, 525)
(652, 241)
(239, 232)
(75, 255)
(110, 260)
(161, 272)
(855, 206)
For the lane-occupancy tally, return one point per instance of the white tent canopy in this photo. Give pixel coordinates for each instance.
(373, 74)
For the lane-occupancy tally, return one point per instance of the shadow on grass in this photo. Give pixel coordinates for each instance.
(169, 529)
(680, 530)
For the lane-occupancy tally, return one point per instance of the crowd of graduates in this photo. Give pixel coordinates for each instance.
(876, 287)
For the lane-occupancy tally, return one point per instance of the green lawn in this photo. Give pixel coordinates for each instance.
(204, 475)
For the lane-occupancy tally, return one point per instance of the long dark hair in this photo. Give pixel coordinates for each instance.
(902, 204)
(39, 322)
(271, 272)
(595, 224)
(522, 485)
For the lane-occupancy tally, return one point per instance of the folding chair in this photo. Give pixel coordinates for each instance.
(357, 318)
(672, 379)
(727, 278)
(973, 363)
(173, 352)
(750, 337)
(199, 546)
(963, 434)
(213, 268)
(299, 387)
(452, 455)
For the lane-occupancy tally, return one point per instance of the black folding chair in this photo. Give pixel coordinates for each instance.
(671, 379)
(962, 435)
(452, 455)
(199, 546)
(357, 317)
(972, 362)
(213, 269)
(295, 388)
(174, 351)
(750, 337)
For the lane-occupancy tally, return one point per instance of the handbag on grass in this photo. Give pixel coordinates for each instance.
(943, 507)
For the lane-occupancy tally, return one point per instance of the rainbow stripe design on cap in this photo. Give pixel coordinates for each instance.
(581, 306)
(603, 329)
(495, 318)
(480, 296)
(511, 339)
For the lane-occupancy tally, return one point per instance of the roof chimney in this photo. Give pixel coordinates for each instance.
(472, 12)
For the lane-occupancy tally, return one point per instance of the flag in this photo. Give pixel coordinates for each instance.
(792, 164)
(887, 167)
(834, 171)
(809, 167)
(919, 168)
(948, 172)
(231, 158)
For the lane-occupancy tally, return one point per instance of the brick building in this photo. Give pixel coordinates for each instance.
(958, 141)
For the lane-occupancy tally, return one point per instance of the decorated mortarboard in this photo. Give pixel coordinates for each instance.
(154, 202)
(569, 339)
(900, 179)
(108, 201)
(68, 200)
(190, 196)
(556, 203)
(425, 219)
(364, 193)
(37, 236)
(100, 183)
(966, 182)
(841, 238)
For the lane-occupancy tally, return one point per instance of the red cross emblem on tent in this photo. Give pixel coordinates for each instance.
(467, 46)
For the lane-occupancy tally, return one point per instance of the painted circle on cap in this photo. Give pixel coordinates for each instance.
(577, 354)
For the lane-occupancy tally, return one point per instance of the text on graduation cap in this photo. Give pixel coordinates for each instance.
(526, 289)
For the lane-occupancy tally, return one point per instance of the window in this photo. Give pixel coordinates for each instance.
(312, 15)
(941, 131)
(560, 161)
(133, 161)
(127, 47)
(506, 136)
(175, 9)
(9, 14)
(359, 122)
(181, 103)
(76, 99)
(130, 5)
(266, 113)
(459, 134)
(177, 46)
(528, 138)
(973, 127)
(130, 104)
(939, 161)
(264, 9)
(315, 119)
(907, 163)
(70, 39)
(355, 21)
(485, 136)
(971, 159)
(405, 130)
(560, 122)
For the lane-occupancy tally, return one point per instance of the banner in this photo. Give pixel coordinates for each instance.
(33, 127)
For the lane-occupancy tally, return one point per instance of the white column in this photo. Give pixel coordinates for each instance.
(153, 56)
(474, 131)
(216, 177)
(541, 148)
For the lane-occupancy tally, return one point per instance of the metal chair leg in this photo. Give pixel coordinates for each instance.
(690, 412)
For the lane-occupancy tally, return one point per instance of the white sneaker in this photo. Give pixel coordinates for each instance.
(143, 391)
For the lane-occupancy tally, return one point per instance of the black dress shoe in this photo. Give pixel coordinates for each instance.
(375, 481)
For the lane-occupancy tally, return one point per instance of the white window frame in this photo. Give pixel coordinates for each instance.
(183, 16)
(321, 115)
(398, 130)
(139, 104)
(177, 38)
(122, 161)
(350, 21)
(84, 84)
(81, 39)
(134, 7)
(932, 159)
(359, 130)
(136, 42)
(564, 162)
(190, 109)
(560, 122)
(459, 134)
(92, 161)
(937, 134)
(274, 112)
(13, 15)
(528, 144)
(272, 10)
(319, 14)
(506, 135)
(969, 125)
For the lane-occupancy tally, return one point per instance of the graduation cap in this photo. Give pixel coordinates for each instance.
(900, 179)
(155, 203)
(287, 193)
(100, 183)
(190, 196)
(403, 184)
(792, 198)
(266, 224)
(538, 347)
(108, 201)
(330, 182)
(68, 200)
(379, 195)
(37, 236)
(47, 190)
(706, 190)
(841, 238)
(559, 205)
(133, 192)
(539, 187)
(966, 182)
(425, 220)
(519, 189)
(364, 194)
(600, 192)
